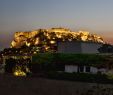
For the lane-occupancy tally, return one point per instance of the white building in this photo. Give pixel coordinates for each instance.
(84, 69)
(78, 47)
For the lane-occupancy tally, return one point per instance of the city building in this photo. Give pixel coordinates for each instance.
(85, 69)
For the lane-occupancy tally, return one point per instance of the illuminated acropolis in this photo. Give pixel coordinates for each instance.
(48, 37)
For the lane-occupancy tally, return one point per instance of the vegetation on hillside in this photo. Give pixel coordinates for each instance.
(81, 59)
(106, 48)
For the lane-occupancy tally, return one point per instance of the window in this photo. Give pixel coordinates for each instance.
(87, 69)
(81, 68)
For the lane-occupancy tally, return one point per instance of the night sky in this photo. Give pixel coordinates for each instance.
(95, 16)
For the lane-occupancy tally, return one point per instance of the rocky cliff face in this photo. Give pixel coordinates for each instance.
(48, 37)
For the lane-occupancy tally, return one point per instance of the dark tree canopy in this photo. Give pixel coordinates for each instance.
(106, 48)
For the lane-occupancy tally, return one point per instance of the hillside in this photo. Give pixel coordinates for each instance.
(49, 37)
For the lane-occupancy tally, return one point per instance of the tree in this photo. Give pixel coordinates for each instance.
(10, 64)
(106, 48)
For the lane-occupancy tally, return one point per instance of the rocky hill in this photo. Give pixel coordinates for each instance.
(49, 37)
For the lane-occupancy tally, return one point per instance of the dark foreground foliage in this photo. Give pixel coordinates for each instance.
(83, 77)
(60, 58)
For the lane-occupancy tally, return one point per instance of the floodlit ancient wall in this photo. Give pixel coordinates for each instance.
(49, 37)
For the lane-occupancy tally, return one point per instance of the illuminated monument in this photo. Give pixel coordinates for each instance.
(48, 38)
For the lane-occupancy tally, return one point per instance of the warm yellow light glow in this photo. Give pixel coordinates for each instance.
(84, 38)
(46, 47)
(52, 42)
(35, 52)
(21, 70)
(43, 35)
(19, 73)
(37, 41)
(28, 44)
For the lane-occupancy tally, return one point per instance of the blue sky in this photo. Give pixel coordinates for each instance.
(95, 16)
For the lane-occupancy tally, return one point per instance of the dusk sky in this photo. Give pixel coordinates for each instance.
(96, 16)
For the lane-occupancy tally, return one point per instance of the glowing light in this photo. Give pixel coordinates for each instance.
(19, 73)
(28, 44)
(37, 41)
(52, 42)
(47, 47)
(35, 52)
(21, 70)
(43, 35)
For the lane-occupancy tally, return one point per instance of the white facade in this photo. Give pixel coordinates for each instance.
(75, 68)
(71, 68)
(94, 70)
(78, 47)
